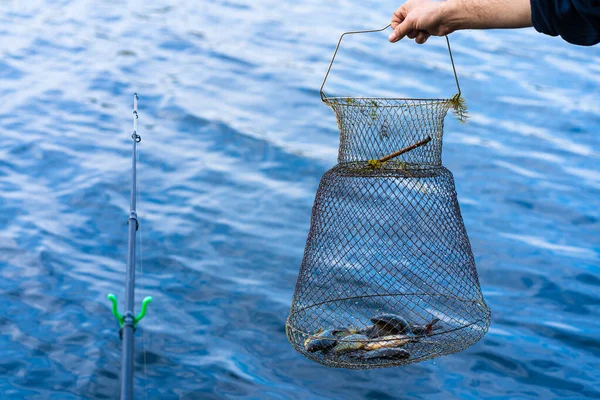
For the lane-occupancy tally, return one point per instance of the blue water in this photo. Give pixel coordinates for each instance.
(235, 140)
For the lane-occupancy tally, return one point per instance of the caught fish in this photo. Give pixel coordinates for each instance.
(424, 330)
(389, 342)
(350, 343)
(322, 341)
(345, 331)
(371, 331)
(391, 324)
(340, 331)
(386, 354)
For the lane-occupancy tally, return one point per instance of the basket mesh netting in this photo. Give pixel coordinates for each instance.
(388, 276)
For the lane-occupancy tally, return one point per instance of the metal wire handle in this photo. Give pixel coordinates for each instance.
(323, 96)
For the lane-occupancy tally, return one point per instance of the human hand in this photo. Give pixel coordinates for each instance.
(420, 19)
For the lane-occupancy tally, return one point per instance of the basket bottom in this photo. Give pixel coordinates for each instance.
(457, 324)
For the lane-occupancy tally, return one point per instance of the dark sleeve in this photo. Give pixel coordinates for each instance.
(576, 21)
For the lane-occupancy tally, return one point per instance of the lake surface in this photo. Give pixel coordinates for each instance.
(235, 140)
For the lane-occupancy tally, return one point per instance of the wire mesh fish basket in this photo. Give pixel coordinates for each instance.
(388, 277)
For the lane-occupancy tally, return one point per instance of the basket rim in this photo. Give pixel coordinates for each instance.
(407, 100)
(410, 166)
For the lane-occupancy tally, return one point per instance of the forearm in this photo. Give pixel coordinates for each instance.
(577, 21)
(419, 19)
(488, 14)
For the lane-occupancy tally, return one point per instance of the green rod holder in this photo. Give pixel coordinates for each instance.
(120, 318)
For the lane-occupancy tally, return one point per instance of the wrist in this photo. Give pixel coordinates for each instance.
(454, 15)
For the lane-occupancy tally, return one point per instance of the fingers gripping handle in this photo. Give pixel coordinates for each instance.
(324, 96)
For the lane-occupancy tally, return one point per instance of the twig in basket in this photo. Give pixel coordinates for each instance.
(405, 150)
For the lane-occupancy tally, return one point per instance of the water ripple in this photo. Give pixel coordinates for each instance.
(235, 140)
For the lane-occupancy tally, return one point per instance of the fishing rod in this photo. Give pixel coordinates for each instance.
(128, 321)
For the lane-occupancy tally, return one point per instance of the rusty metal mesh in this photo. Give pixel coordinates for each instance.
(371, 128)
(388, 276)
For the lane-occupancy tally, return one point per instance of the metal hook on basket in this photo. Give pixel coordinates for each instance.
(323, 96)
